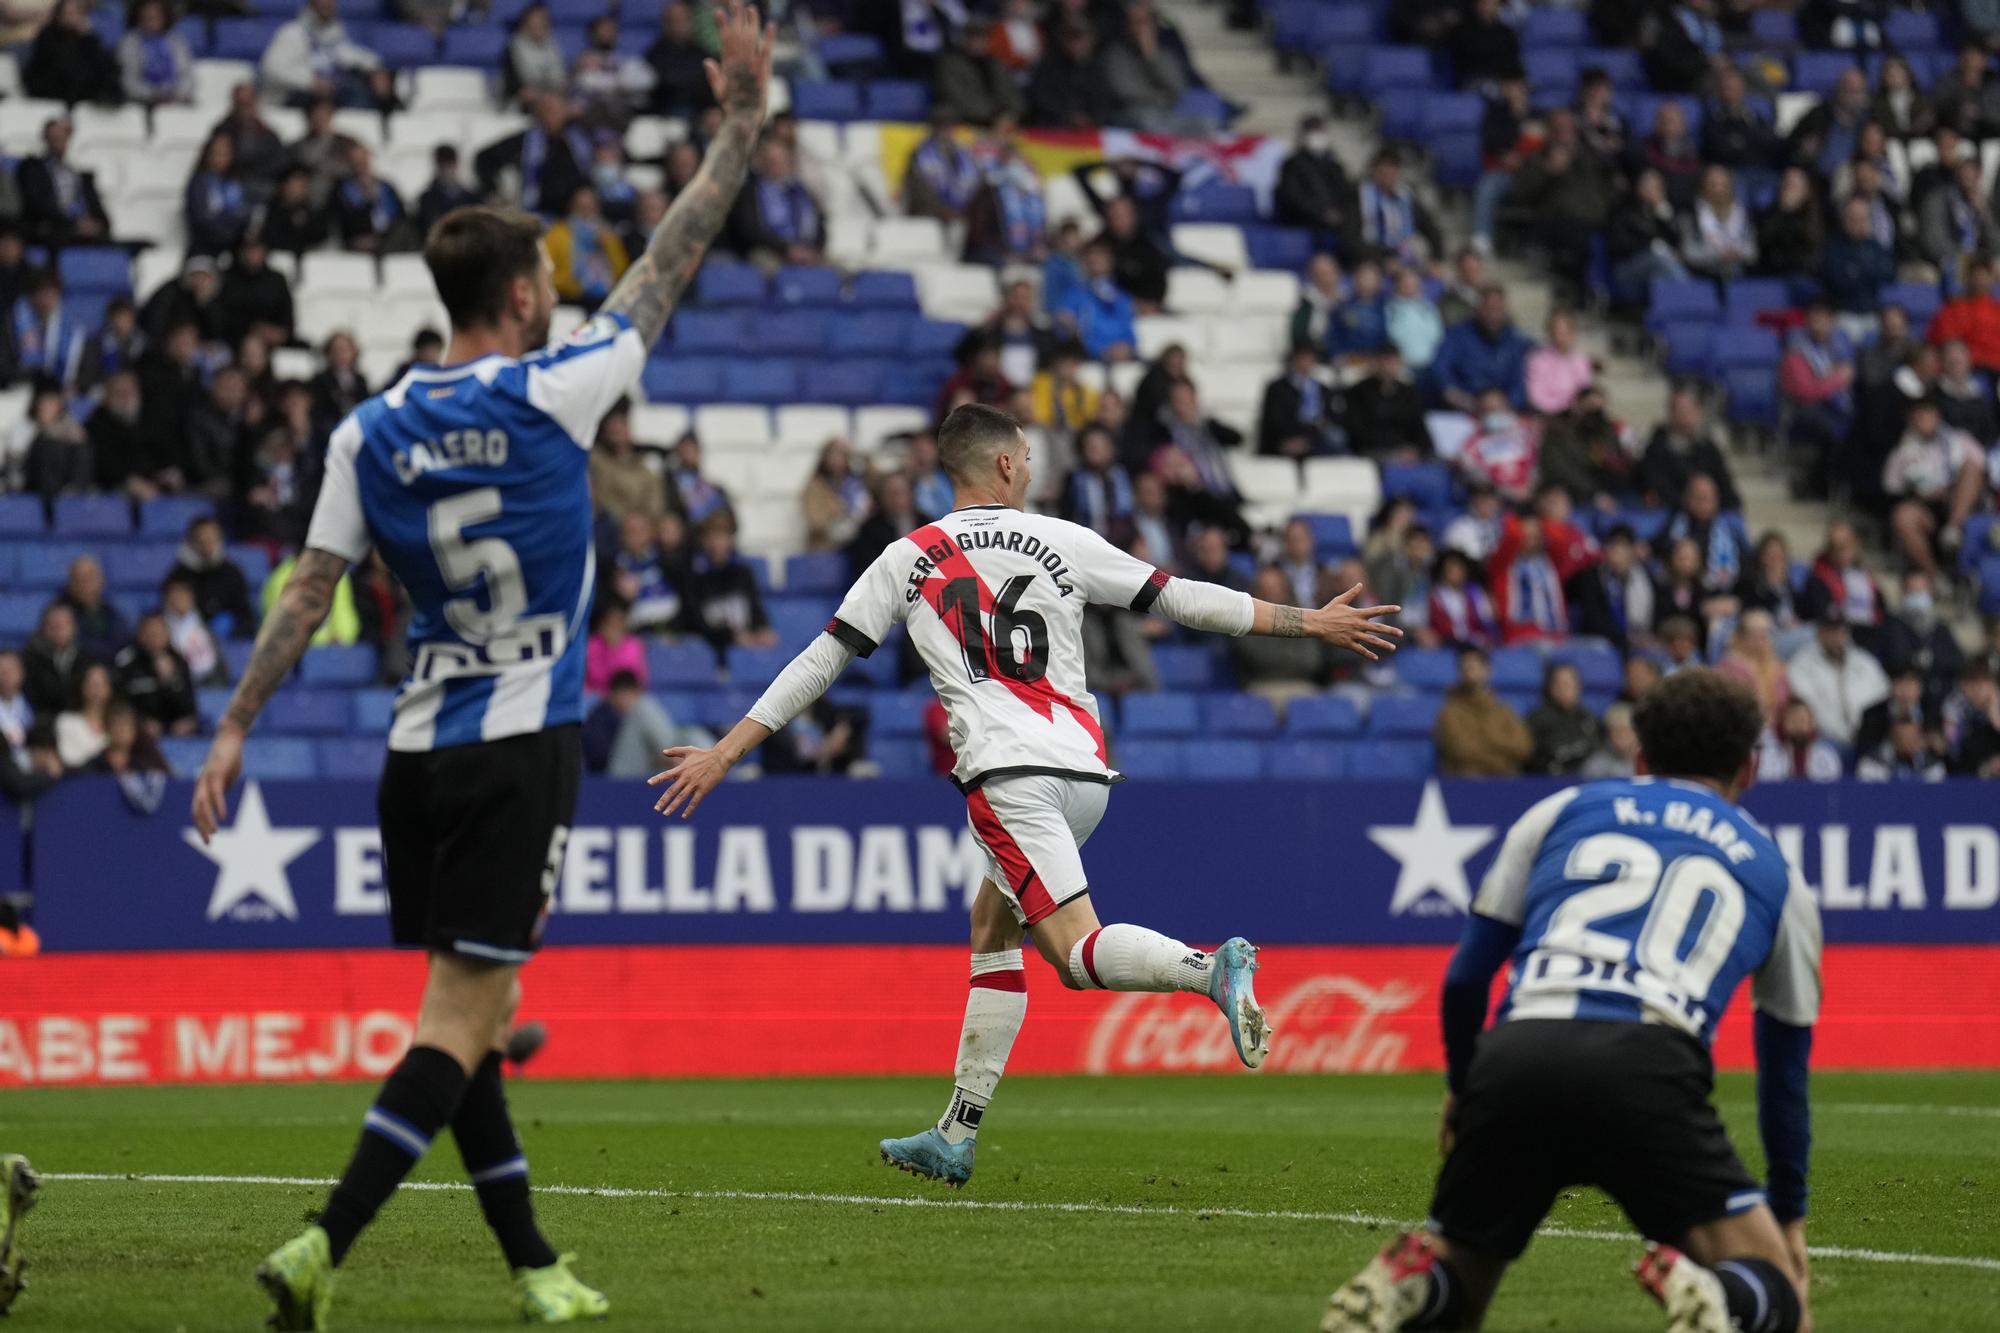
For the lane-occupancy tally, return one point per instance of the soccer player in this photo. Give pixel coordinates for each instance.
(994, 599)
(470, 479)
(1631, 910)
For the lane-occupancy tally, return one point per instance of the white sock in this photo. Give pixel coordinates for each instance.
(1121, 957)
(994, 1010)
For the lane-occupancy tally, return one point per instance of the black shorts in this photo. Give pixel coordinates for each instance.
(1549, 1104)
(473, 839)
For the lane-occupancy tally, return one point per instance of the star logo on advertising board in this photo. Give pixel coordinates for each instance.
(1432, 853)
(252, 882)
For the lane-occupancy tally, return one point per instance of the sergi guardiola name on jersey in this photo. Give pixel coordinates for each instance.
(993, 538)
(454, 448)
(1697, 821)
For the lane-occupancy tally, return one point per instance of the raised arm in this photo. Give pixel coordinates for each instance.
(741, 81)
(296, 616)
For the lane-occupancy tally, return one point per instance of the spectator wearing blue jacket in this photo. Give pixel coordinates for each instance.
(1857, 266)
(1359, 325)
(1482, 353)
(1100, 309)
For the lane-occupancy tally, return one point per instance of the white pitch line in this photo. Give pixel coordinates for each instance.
(997, 1206)
(1901, 1108)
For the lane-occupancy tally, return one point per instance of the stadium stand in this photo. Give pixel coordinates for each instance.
(1251, 357)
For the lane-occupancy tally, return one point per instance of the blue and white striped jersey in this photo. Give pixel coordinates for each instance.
(473, 482)
(1649, 901)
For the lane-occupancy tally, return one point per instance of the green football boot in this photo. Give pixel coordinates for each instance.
(553, 1295)
(298, 1277)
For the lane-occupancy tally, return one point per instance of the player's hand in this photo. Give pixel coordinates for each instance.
(693, 774)
(1447, 1125)
(1795, 1246)
(1359, 628)
(741, 78)
(218, 775)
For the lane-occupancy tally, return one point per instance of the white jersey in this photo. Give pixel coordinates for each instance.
(994, 599)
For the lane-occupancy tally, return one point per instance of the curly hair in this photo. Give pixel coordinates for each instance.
(1698, 723)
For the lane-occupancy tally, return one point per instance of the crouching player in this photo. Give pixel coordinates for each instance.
(1630, 909)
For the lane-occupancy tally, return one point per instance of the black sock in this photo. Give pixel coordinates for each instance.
(1444, 1305)
(415, 1103)
(493, 1159)
(1762, 1298)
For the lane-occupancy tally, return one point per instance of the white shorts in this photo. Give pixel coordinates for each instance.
(1032, 828)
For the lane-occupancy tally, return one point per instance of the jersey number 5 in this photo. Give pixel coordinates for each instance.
(463, 561)
(1007, 652)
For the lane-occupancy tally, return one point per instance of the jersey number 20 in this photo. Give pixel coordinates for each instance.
(1675, 896)
(1026, 662)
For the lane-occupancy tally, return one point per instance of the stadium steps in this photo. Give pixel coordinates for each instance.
(1243, 67)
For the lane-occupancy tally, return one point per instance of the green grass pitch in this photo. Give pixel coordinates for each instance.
(1098, 1204)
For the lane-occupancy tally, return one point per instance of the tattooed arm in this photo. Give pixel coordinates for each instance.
(288, 629)
(741, 81)
(1339, 623)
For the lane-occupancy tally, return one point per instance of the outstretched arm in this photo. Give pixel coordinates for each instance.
(741, 81)
(1206, 606)
(300, 610)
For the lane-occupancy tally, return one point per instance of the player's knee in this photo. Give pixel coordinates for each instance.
(1762, 1297)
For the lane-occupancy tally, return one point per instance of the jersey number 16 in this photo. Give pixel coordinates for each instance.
(1006, 652)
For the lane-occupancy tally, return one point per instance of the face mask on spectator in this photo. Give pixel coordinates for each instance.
(1919, 608)
(1498, 421)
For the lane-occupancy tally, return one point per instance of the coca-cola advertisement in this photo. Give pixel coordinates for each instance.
(753, 1010)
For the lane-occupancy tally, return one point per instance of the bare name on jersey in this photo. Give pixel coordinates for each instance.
(1694, 820)
(987, 538)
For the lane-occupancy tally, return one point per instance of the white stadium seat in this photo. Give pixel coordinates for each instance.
(1263, 479)
(1351, 486)
(1196, 291)
(10, 75)
(158, 168)
(725, 426)
(21, 122)
(214, 80)
(1065, 199)
(647, 138)
(811, 425)
(406, 168)
(861, 143)
(107, 124)
(780, 474)
(849, 239)
(1125, 377)
(150, 213)
(967, 292)
(901, 241)
(734, 471)
(659, 424)
(1793, 108)
(182, 128)
(294, 363)
(153, 269)
(104, 161)
(379, 361)
(1218, 243)
(322, 316)
(287, 122)
(1264, 291)
(644, 176)
(336, 273)
(447, 88)
(362, 127)
(875, 425)
(404, 276)
(426, 129)
(770, 527)
(1159, 332)
(819, 140)
(1256, 341)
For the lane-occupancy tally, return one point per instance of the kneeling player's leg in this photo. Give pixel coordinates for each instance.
(996, 1004)
(491, 1152)
(464, 1002)
(1749, 1257)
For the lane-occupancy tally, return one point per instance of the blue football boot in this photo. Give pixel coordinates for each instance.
(929, 1156)
(1229, 986)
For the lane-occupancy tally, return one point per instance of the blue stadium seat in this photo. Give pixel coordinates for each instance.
(93, 516)
(276, 759)
(1681, 299)
(1387, 67)
(805, 284)
(1341, 24)
(1774, 27)
(402, 45)
(689, 665)
(727, 282)
(1305, 761)
(1552, 73)
(756, 667)
(20, 613)
(1919, 300)
(21, 516)
(339, 664)
(797, 619)
(830, 99)
(1599, 667)
(1989, 585)
(246, 38)
(482, 48)
(1819, 71)
(722, 709)
(1400, 113)
(914, 385)
(1752, 395)
(254, 562)
(1411, 759)
(236, 655)
(1215, 203)
(760, 381)
(883, 668)
(1457, 159)
(1159, 715)
(1625, 69)
(1403, 715)
(697, 332)
(683, 380)
(930, 339)
(1746, 298)
(872, 333)
(351, 758)
(1977, 540)
(1323, 715)
(1646, 524)
(1908, 30)
(1333, 534)
(896, 100)
(374, 710)
(897, 714)
(1428, 484)
(816, 572)
(138, 566)
(1239, 715)
(1555, 27)
(169, 515)
(1144, 759)
(1198, 103)
(184, 754)
(1286, 248)
(900, 758)
(211, 702)
(848, 383)
(1452, 113)
(304, 712)
(802, 333)
(95, 268)
(1734, 348)
(1184, 666)
(1237, 761)
(1685, 345)
(46, 564)
(885, 289)
(9, 564)
(839, 50)
(1517, 669)
(1426, 668)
